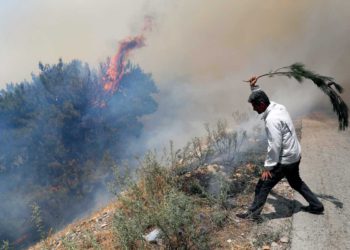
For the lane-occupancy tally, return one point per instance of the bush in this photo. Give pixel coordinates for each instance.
(223, 143)
(219, 218)
(161, 197)
(5, 245)
(129, 229)
(154, 202)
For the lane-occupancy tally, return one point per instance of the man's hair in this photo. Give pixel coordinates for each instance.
(258, 96)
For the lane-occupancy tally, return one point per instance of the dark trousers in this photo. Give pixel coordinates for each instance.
(291, 172)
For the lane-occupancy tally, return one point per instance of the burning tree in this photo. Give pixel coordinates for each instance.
(58, 146)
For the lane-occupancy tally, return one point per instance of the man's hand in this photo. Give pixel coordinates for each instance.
(266, 174)
(253, 81)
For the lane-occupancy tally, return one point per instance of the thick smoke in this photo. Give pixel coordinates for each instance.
(202, 50)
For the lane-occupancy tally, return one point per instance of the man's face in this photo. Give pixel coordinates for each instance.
(259, 107)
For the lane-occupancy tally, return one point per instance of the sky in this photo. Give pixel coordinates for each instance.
(198, 51)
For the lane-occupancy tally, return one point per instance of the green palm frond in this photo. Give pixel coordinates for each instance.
(325, 83)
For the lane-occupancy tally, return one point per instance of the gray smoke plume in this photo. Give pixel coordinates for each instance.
(201, 51)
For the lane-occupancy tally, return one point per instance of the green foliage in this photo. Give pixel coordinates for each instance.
(59, 144)
(156, 203)
(38, 221)
(176, 217)
(119, 180)
(5, 245)
(68, 243)
(156, 178)
(161, 197)
(266, 238)
(90, 241)
(224, 189)
(195, 188)
(219, 218)
(129, 230)
(325, 83)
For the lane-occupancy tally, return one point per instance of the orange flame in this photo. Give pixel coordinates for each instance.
(116, 68)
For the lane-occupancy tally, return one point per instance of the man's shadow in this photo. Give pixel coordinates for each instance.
(285, 208)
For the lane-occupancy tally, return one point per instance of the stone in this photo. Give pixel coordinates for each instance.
(274, 244)
(203, 230)
(265, 248)
(237, 220)
(153, 236)
(212, 168)
(230, 203)
(284, 239)
(201, 216)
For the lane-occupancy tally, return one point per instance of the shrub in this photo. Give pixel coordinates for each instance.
(69, 244)
(177, 221)
(129, 228)
(37, 220)
(219, 218)
(155, 202)
(5, 245)
(223, 143)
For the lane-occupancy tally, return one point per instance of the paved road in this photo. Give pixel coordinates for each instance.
(325, 167)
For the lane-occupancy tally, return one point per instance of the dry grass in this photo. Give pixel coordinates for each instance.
(105, 237)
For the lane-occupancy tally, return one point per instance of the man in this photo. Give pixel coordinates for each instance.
(283, 155)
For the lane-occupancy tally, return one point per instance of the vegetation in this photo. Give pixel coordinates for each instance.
(64, 138)
(5, 245)
(170, 193)
(154, 202)
(61, 134)
(37, 220)
(188, 202)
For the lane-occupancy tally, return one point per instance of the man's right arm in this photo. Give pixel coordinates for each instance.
(253, 85)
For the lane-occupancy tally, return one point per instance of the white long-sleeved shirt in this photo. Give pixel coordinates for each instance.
(283, 145)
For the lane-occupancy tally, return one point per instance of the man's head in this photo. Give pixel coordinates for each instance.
(259, 101)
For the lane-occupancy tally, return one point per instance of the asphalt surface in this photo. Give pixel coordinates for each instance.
(325, 168)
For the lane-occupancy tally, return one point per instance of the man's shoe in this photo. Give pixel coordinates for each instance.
(249, 215)
(313, 210)
(244, 215)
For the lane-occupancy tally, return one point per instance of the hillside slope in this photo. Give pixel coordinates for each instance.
(214, 213)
